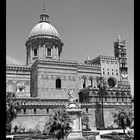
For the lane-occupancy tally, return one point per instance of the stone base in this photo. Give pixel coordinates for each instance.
(75, 135)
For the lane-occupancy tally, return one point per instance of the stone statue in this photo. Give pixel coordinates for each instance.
(70, 93)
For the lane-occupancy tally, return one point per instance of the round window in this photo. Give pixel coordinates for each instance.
(111, 82)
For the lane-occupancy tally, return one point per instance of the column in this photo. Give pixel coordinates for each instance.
(44, 51)
(39, 55)
(53, 52)
(56, 55)
(30, 54)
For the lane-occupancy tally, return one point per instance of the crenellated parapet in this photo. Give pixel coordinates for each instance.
(111, 95)
(89, 65)
(32, 102)
(17, 67)
(100, 58)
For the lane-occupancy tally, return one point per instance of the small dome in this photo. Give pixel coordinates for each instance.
(44, 28)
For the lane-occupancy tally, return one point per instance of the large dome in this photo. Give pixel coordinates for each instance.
(44, 28)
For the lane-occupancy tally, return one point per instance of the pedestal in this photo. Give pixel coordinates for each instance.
(74, 111)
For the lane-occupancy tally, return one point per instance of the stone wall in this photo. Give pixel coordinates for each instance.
(31, 120)
(108, 116)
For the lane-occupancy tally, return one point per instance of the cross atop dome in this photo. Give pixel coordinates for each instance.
(44, 17)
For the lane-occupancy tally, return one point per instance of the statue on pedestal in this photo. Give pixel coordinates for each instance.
(70, 93)
(74, 111)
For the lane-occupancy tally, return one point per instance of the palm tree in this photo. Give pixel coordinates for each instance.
(59, 125)
(102, 85)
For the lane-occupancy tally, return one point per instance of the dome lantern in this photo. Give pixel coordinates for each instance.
(44, 17)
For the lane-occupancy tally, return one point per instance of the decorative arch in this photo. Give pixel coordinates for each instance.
(20, 86)
(27, 86)
(117, 96)
(10, 86)
(84, 79)
(9, 82)
(123, 96)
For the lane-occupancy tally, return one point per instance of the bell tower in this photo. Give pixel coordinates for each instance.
(120, 53)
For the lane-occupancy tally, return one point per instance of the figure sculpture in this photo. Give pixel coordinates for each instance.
(70, 93)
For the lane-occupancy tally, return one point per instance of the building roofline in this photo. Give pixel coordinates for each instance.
(17, 67)
(64, 61)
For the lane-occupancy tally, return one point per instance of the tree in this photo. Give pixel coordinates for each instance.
(58, 126)
(102, 85)
(11, 110)
(123, 118)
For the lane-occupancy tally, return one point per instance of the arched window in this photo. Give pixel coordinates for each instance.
(35, 52)
(91, 82)
(48, 51)
(47, 110)
(58, 83)
(86, 110)
(34, 110)
(84, 82)
(24, 111)
(59, 53)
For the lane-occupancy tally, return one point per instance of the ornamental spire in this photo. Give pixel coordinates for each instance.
(119, 38)
(44, 17)
(44, 9)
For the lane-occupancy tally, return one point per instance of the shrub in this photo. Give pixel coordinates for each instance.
(31, 130)
(123, 118)
(11, 110)
(91, 138)
(21, 128)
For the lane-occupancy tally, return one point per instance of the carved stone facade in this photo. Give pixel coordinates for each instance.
(18, 80)
(44, 82)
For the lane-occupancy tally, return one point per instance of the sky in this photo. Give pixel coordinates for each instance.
(86, 27)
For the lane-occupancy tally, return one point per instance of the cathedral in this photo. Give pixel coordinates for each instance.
(43, 84)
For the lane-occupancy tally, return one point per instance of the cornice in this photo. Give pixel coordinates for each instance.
(66, 62)
(17, 67)
(40, 39)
